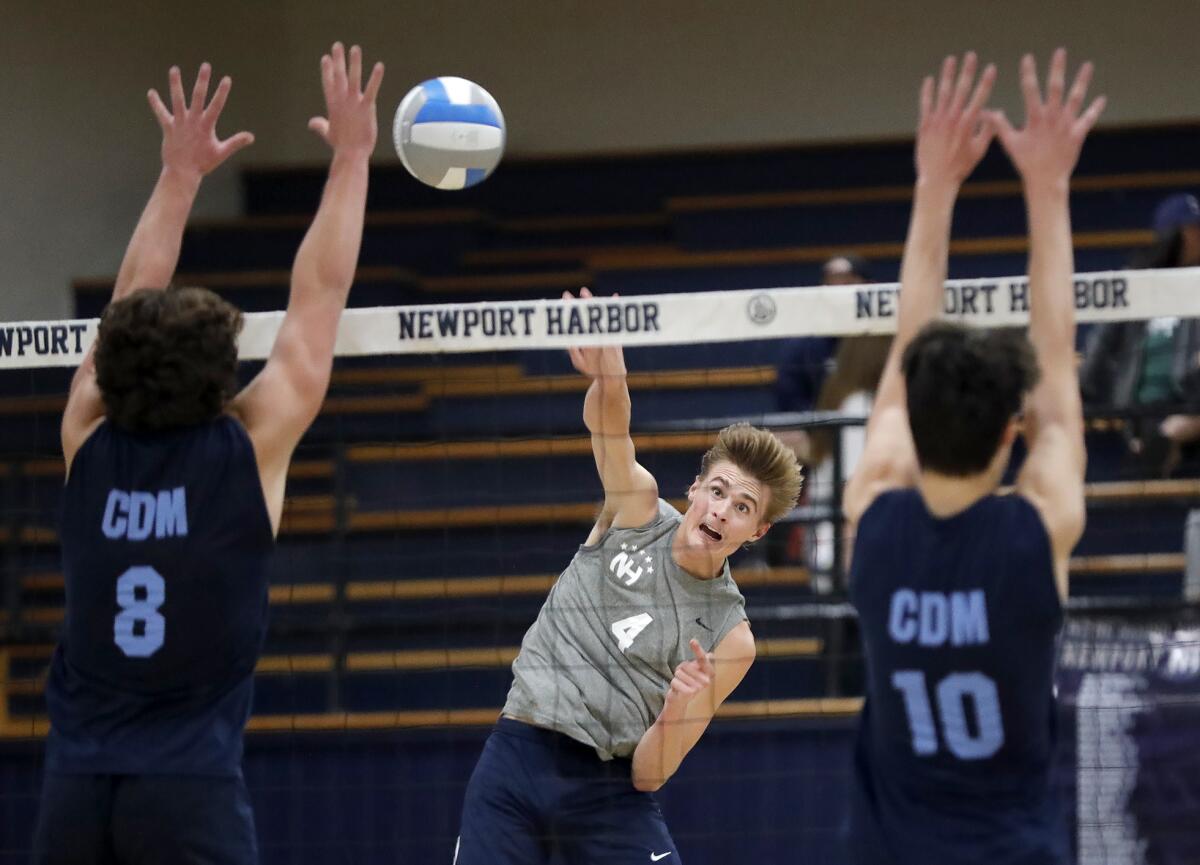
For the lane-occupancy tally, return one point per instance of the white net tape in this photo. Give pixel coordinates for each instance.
(661, 319)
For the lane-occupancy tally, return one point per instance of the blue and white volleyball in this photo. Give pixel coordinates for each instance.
(449, 132)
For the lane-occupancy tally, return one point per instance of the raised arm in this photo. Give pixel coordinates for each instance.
(630, 491)
(1044, 152)
(190, 150)
(952, 136)
(281, 402)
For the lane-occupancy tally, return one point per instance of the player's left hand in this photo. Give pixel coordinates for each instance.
(1046, 149)
(691, 677)
(954, 133)
(596, 361)
(190, 143)
(350, 125)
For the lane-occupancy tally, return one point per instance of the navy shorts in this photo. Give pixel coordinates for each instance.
(537, 796)
(135, 819)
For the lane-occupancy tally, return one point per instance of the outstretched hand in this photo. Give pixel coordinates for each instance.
(350, 125)
(1047, 148)
(190, 143)
(691, 677)
(954, 133)
(596, 361)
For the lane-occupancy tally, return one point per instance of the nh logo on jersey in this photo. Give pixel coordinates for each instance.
(626, 567)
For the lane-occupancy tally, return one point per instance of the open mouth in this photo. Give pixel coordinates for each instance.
(709, 533)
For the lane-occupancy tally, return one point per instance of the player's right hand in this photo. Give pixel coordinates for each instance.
(190, 142)
(1046, 149)
(691, 677)
(596, 361)
(350, 125)
(954, 133)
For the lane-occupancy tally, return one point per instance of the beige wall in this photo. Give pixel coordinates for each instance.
(78, 148)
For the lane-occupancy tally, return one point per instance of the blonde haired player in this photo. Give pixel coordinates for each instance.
(641, 639)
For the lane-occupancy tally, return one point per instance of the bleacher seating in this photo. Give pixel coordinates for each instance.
(436, 499)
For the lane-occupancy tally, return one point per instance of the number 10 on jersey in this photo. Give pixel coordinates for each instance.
(953, 694)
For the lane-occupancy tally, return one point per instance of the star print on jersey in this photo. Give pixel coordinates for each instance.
(630, 564)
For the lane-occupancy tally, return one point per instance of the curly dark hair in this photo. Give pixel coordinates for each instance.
(167, 359)
(964, 386)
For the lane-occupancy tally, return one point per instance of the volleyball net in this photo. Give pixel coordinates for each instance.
(449, 480)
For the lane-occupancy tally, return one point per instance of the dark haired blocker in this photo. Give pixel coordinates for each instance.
(167, 358)
(165, 540)
(963, 388)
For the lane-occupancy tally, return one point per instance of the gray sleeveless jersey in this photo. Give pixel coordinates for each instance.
(596, 664)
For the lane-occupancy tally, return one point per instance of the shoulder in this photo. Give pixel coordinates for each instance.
(82, 442)
(666, 511)
(884, 504)
(738, 643)
(663, 517)
(1060, 516)
(734, 655)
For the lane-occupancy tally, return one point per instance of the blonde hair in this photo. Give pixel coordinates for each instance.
(765, 458)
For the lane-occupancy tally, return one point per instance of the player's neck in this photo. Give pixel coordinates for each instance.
(698, 563)
(946, 496)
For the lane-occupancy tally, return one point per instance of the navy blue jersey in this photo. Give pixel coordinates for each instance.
(960, 620)
(165, 541)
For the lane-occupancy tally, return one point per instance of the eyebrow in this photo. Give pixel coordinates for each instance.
(719, 479)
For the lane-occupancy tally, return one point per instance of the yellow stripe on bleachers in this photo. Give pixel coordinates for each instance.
(32, 728)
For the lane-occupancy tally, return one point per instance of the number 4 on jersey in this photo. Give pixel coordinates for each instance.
(626, 629)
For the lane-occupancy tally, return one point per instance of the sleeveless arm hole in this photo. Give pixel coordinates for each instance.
(732, 619)
(658, 517)
(91, 434)
(250, 458)
(1031, 527)
(867, 518)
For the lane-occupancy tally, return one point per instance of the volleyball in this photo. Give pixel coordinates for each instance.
(449, 132)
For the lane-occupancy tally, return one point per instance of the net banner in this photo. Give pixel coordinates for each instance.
(663, 319)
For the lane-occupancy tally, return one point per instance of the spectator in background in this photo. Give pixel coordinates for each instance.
(849, 390)
(826, 374)
(1153, 364)
(806, 361)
